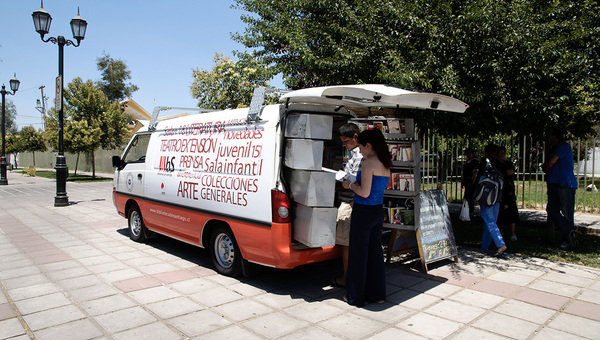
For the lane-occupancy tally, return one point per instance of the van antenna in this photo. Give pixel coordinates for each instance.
(157, 109)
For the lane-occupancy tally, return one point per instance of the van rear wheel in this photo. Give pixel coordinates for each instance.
(137, 229)
(225, 253)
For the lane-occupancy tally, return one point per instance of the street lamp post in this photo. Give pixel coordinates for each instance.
(42, 20)
(14, 87)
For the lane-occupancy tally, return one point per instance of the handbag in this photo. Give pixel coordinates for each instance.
(464, 212)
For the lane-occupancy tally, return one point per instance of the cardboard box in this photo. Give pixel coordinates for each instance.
(313, 188)
(304, 154)
(315, 227)
(309, 126)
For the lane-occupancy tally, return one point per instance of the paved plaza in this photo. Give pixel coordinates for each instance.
(72, 273)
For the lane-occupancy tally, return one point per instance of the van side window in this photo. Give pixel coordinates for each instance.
(137, 150)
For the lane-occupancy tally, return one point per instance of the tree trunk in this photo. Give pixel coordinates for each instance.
(93, 166)
(76, 164)
(33, 154)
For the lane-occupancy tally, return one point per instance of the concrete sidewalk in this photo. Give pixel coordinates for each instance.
(72, 272)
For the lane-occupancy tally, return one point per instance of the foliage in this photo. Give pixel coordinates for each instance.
(229, 84)
(115, 76)
(31, 140)
(90, 121)
(10, 112)
(522, 65)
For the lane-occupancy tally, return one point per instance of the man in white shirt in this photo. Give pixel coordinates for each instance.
(348, 135)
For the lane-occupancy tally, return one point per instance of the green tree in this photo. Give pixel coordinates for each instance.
(521, 65)
(31, 140)
(13, 146)
(229, 84)
(90, 121)
(115, 77)
(10, 112)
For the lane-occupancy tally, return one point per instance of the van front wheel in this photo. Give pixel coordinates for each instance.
(137, 230)
(225, 253)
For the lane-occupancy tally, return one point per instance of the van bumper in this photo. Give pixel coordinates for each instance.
(287, 257)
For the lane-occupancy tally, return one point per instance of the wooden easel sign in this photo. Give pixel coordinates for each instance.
(435, 236)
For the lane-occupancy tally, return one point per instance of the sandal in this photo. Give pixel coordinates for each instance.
(334, 282)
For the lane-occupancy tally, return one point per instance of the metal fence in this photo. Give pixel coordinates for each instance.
(442, 159)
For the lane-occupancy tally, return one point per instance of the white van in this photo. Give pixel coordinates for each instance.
(253, 184)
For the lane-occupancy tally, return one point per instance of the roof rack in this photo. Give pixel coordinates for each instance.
(258, 99)
(157, 109)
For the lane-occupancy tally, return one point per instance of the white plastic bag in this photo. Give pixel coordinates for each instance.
(464, 212)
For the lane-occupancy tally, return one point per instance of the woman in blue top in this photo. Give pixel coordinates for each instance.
(365, 279)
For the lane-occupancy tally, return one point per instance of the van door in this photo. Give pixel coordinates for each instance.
(130, 179)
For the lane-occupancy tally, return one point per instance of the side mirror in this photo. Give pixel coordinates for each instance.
(117, 162)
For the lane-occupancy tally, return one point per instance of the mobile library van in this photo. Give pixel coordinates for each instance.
(254, 184)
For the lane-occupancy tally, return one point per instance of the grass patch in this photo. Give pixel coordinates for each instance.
(531, 242)
(73, 178)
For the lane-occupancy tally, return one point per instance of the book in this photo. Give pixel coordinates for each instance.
(406, 182)
(394, 126)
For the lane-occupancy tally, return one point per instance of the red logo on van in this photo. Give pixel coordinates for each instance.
(162, 185)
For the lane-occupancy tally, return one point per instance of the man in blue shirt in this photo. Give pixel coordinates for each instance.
(562, 185)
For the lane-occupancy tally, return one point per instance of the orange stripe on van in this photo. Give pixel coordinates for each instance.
(261, 244)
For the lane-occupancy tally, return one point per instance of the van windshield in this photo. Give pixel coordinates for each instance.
(137, 149)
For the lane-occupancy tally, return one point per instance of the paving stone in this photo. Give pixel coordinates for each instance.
(525, 311)
(506, 325)
(429, 326)
(235, 332)
(278, 299)
(592, 296)
(138, 283)
(6, 311)
(572, 280)
(274, 325)
(576, 325)
(32, 291)
(153, 294)
(53, 317)
(455, 311)
(245, 309)
(175, 307)
(543, 299)
(512, 278)
(25, 281)
(92, 292)
(412, 299)
(435, 288)
(41, 303)
(192, 286)
(555, 288)
(76, 330)
(189, 325)
(174, 276)
(10, 328)
(584, 309)
(395, 333)
(496, 287)
(403, 280)
(124, 319)
(476, 298)
(107, 304)
(120, 275)
(154, 331)
(216, 296)
(18, 272)
(474, 333)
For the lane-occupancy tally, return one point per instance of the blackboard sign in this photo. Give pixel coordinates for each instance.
(435, 234)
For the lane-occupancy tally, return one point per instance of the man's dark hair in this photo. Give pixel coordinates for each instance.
(558, 133)
(348, 130)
